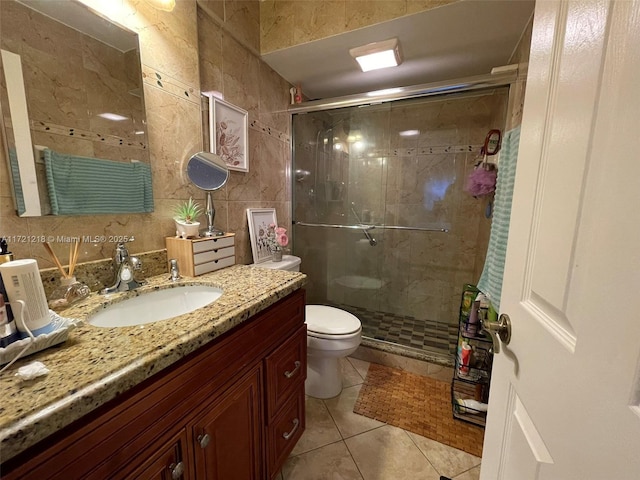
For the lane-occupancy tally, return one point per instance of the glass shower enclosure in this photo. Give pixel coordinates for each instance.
(381, 219)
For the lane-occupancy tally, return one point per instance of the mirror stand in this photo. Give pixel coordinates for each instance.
(211, 231)
(208, 172)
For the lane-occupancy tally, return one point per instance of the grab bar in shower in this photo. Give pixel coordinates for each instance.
(371, 227)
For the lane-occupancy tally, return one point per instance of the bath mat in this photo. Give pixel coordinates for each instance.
(418, 404)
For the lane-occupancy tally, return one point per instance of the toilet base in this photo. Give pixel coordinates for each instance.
(324, 378)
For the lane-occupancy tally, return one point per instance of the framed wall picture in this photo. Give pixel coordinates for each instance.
(228, 133)
(259, 220)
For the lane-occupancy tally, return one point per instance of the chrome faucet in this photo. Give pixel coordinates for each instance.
(125, 266)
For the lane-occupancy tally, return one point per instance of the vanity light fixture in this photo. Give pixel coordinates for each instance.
(378, 55)
(166, 5)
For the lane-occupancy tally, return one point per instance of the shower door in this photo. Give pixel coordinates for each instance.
(382, 222)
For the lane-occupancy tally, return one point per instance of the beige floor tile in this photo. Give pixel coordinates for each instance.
(350, 375)
(331, 462)
(388, 453)
(448, 461)
(473, 474)
(361, 366)
(320, 428)
(341, 409)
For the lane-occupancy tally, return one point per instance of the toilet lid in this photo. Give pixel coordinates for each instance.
(330, 320)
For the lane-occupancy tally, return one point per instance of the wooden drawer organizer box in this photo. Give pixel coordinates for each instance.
(197, 256)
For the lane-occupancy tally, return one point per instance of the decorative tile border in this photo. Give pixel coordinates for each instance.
(272, 132)
(410, 152)
(55, 129)
(153, 77)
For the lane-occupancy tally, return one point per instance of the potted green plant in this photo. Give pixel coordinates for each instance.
(185, 216)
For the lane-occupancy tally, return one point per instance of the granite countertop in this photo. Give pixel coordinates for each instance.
(95, 364)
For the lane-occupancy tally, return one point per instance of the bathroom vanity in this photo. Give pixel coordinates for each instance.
(228, 404)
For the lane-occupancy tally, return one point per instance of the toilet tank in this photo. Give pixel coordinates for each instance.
(289, 263)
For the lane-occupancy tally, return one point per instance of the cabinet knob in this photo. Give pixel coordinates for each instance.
(288, 435)
(204, 440)
(289, 374)
(177, 470)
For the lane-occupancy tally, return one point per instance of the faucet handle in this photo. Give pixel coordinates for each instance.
(121, 253)
(136, 263)
(175, 272)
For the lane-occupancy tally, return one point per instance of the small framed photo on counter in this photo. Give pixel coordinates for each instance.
(259, 220)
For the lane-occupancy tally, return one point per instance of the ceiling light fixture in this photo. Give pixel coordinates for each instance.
(166, 5)
(378, 55)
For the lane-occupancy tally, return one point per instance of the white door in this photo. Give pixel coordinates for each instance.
(565, 393)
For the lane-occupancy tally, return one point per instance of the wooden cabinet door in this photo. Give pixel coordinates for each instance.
(286, 371)
(227, 436)
(168, 462)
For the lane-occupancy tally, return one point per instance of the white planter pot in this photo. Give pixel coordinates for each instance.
(187, 230)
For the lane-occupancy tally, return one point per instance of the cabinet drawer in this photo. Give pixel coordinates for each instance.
(286, 371)
(285, 431)
(214, 265)
(212, 244)
(211, 255)
(165, 461)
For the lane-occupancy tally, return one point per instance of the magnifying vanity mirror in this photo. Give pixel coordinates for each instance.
(208, 172)
(72, 107)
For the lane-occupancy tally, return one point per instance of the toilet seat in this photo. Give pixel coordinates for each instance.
(324, 321)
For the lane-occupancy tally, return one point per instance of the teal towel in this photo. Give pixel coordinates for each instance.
(84, 185)
(491, 279)
(15, 179)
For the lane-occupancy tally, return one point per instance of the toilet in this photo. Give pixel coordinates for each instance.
(332, 334)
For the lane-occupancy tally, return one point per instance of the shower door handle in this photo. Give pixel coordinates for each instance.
(500, 329)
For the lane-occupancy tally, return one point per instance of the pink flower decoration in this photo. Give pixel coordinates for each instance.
(282, 239)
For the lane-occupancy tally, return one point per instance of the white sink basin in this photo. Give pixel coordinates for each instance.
(155, 306)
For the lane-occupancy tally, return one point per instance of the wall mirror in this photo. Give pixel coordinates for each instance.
(72, 107)
(209, 172)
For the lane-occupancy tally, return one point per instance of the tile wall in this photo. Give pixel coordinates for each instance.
(226, 34)
(285, 23)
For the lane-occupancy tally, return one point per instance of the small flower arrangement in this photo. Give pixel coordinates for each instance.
(276, 237)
